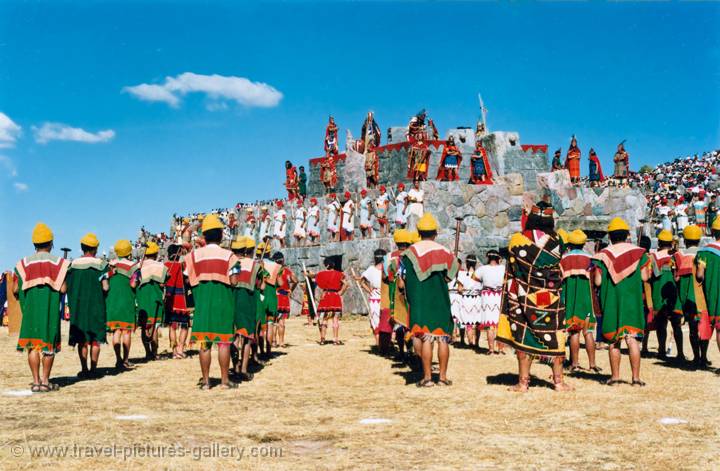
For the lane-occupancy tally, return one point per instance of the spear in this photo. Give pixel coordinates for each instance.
(362, 293)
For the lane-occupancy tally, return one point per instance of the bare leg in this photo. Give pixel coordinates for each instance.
(443, 359)
(590, 348)
(574, 349)
(224, 362)
(661, 332)
(557, 369)
(246, 352)
(492, 347)
(117, 346)
(614, 354)
(183, 340)
(281, 331)
(634, 349)
(426, 355)
(94, 356)
(34, 363)
(417, 345)
(83, 354)
(126, 339)
(47, 364)
(336, 327)
(205, 358)
(172, 334)
(524, 363)
(676, 323)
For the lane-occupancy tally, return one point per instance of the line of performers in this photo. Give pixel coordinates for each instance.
(621, 161)
(236, 299)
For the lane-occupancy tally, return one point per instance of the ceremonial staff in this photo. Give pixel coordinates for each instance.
(362, 293)
(311, 295)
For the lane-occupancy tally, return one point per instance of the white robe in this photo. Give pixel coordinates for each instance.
(313, 221)
(400, 214)
(279, 228)
(365, 213)
(333, 218)
(300, 216)
(349, 216)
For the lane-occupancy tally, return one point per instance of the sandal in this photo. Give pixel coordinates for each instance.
(638, 382)
(612, 382)
(204, 386)
(229, 385)
(35, 388)
(425, 383)
(247, 376)
(51, 387)
(561, 386)
(595, 369)
(522, 385)
(575, 369)
(444, 382)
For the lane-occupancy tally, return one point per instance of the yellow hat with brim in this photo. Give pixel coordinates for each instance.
(240, 242)
(427, 223)
(577, 237)
(123, 248)
(260, 248)
(665, 236)
(249, 243)
(401, 236)
(211, 222)
(563, 234)
(692, 232)
(90, 240)
(618, 224)
(151, 248)
(41, 234)
(414, 237)
(716, 224)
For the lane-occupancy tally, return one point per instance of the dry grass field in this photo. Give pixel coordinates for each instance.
(308, 409)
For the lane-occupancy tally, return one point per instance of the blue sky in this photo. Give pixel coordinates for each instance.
(82, 152)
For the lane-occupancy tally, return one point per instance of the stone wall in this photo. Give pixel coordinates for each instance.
(505, 153)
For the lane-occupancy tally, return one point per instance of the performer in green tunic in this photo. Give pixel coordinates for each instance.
(40, 279)
(208, 270)
(428, 268)
(532, 318)
(150, 298)
(577, 295)
(621, 270)
(708, 273)
(120, 303)
(666, 306)
(691, 296)
(87, 284)
(244, 277)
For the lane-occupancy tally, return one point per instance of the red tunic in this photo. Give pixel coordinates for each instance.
(283, 291)
(330, 282)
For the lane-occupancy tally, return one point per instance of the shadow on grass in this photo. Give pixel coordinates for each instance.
(511, 379)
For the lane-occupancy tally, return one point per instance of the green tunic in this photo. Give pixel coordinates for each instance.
(40, 328)
(269, 303)
(214, 313)
(577, 296)
(245, 311)
(429, 302)
(687, 300)
(710, 257)
(86, 300)
(150, 303)
(622, 303)
(120, 301)
(664, 290)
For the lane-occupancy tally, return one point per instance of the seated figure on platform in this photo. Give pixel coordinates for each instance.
(622, 164)
(291, 180)
(328, 173)
(480, 172)
(331, 138)
(372, 165)
(449, 162)
(370, 132)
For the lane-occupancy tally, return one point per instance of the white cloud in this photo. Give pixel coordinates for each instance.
(147, 92)
(9, 165)
(22, 187)
(9, 131)
(217, 87)
(62, 132)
